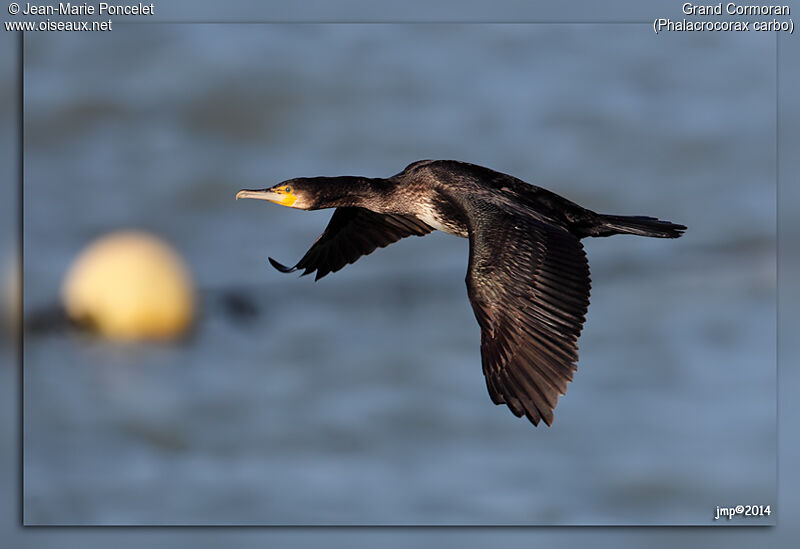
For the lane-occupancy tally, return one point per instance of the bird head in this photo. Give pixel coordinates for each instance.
(293, 193)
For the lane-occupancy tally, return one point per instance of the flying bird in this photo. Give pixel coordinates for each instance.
(528, 276)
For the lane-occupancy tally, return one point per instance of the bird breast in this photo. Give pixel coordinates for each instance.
(434, 215)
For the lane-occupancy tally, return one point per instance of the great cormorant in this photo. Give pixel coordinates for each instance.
(528, 277)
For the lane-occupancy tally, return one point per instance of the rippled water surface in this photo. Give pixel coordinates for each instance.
(360, 399)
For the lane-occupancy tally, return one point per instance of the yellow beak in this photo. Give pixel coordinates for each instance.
(279, 197)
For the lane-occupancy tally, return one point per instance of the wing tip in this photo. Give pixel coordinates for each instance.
(281, 267)
(535, 415)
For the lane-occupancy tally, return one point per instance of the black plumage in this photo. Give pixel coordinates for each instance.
(351, 233)
(528, 276)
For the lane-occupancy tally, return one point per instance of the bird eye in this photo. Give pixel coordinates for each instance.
(288, 189)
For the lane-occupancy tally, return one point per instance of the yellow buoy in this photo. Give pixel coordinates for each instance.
(130, 285)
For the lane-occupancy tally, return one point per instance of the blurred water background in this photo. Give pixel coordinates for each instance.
(360, 399)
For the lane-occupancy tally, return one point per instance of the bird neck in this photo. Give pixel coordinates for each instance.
(350, 191)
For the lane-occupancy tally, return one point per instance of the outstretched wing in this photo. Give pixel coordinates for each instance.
(351, 233)
(528, 282)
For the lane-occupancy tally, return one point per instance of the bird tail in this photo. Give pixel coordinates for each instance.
(608, 225)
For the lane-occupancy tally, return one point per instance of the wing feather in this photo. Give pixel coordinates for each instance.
(351, 233)
(529, 284)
